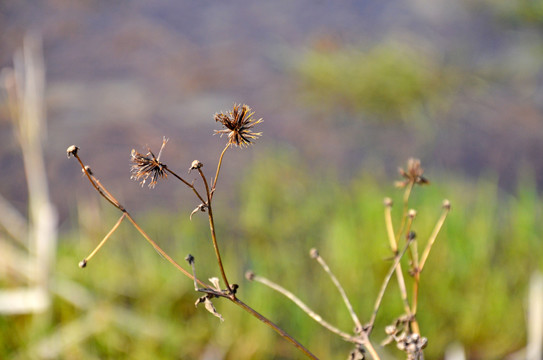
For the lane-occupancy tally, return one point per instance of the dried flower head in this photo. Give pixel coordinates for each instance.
(413, 174)
(72, 151)
(238, 125)
(147, 165)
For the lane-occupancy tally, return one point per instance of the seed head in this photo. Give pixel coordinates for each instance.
(147, 165)
(238, 125)
(413, 174)
(196, 164)
(72, 150)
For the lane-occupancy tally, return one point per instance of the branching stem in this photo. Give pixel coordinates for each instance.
(212, 226)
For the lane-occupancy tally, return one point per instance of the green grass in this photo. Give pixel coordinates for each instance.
(473, 288)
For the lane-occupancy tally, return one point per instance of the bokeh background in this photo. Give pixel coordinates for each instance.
(348, 90)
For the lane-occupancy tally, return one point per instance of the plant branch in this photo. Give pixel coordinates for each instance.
(212, 227)
(406, 195)
(394, 247)
(83, 262)
(273, 326)
(433, 236)
(110, 198)
(219, 164)
(191, 186)
(315, 254)
(393, 268)
(300, 304)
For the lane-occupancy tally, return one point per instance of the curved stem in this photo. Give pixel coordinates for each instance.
(218, 170)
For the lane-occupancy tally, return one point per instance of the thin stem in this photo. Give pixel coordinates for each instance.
(394, 248)
(403, 289)
(218, 170)
(191, 186)
(110, 198)
(413, 252)
(419, 266)
(416, 292)
(302, 306)
(390, 227)
(393, 268)
(355, 318)
(99, 246)
(212, 228)
(105, 195)
(406, 195)
(369, 346)
(433, 236)
(275, 328)
(160, 251)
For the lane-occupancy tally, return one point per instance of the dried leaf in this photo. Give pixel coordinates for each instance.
(215, 282)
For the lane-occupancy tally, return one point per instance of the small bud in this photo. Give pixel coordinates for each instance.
(249, 275)
(411, 236)
(446, 204)
(387, 202)
(411, 348)
(400, 345)
(234, 288)
(196, 164)
(87, 169)
(390, 330)
(83, 263)
(412, 213)
(414, 338)
(423, 342)
(72, 150)
(314, 253)
(190, 259)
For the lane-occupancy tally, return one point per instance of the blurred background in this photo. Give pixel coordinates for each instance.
(348, 90)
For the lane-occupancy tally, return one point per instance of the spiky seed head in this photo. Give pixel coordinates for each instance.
(238, 125)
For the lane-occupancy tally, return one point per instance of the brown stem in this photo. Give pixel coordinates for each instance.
(191, 186)
(109, 197)
(212, 228)
(98, 187)
(219, 164)
(275, 328)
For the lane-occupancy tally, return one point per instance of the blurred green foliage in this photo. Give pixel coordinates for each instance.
(473, 288)
(390, 81)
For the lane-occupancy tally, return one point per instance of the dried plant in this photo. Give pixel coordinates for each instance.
(239, 125)
(405, 331)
